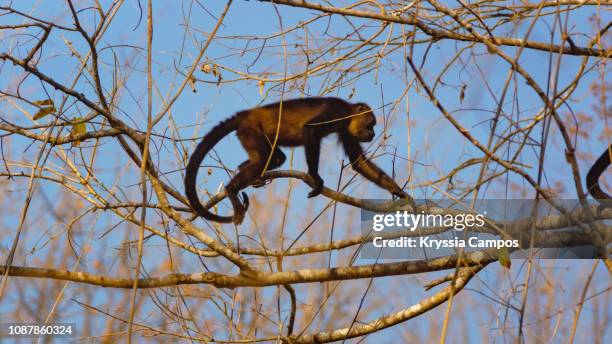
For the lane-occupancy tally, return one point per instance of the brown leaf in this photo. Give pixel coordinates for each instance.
(261, 84)
(43, 112)
(192, 84)
(77, 129)
(504, 257)
(206, 68)
(45, 102)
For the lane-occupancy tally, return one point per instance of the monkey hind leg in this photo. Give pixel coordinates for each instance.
(249, 171)
(278, 158)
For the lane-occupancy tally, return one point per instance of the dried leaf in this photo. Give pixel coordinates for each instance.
(261, 84)
(462, 93)
(217, 73)
(192, 84)
(350, 96)
(206, 68)
(45, 102)
(71, 47)
(77, 129)
(504, 257)
(43, 112)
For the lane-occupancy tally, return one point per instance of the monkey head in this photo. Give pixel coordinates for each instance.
(361, 125)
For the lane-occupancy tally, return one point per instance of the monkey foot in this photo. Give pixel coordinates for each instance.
(240, 211)
(260, 183)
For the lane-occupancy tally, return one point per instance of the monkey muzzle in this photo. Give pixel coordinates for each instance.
(368, 136)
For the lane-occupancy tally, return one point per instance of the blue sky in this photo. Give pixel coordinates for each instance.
(435, 148)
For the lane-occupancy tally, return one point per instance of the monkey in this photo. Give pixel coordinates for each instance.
(592, 179)
(290, 123)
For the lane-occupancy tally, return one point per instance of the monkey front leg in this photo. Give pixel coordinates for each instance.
(369, 170)
(312, 148)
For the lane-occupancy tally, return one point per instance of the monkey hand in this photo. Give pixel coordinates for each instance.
(404, 196)
(400, 194)
(317, 186)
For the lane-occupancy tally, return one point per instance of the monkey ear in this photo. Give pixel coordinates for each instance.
(361, 107)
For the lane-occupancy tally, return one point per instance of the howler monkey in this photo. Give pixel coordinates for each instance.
(302, 122)
(592, 178)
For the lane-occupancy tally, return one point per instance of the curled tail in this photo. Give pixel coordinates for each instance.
(592, 178)
(208, 142)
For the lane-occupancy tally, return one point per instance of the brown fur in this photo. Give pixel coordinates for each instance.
(303, 122)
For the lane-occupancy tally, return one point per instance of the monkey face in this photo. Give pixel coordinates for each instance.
(367, 136)
(366, 133)
(362, 128)
(362, 124)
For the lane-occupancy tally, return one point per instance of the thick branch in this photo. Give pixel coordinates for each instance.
(356, 330)
(264, 279)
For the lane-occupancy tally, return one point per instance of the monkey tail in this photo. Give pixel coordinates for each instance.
(592, 178)
(208, 142)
